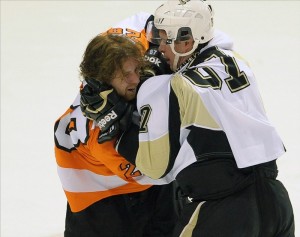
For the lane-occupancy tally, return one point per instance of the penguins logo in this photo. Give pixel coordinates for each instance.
(182, 2)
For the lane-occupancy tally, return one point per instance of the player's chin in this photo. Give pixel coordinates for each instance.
(130, 95)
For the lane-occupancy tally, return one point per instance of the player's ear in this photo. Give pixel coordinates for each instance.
(189, 44)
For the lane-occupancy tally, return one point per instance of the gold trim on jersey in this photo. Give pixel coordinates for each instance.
(153, 157)
(197, 112)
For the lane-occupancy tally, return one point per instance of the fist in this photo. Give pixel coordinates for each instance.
(101, 103)
(157, 61)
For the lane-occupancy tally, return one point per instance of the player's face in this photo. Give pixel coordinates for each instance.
(126, 81)
(179, 46)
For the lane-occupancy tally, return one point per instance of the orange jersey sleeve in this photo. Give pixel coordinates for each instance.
(90, 171)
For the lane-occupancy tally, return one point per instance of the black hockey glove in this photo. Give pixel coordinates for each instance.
(130, 117)
(120, 126)
(158, 62)
(101, 103)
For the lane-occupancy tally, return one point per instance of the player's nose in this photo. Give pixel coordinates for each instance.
(133, 78)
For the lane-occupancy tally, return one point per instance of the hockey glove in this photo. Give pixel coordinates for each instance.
(122, 125)
(111, 133)
(158, 63)
(101, 103)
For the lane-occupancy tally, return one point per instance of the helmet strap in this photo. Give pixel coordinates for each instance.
(188, 61)
(178, 55)
(175, 62)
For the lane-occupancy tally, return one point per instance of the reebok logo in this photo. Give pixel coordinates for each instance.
(107, 118)
(153, 60)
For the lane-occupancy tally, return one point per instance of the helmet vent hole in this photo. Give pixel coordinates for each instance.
(188, 14)
(168, 13)
(199, 16)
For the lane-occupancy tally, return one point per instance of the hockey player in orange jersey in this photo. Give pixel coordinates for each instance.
(107, 195)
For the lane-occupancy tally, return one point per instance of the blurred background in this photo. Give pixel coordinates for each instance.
(42, 43)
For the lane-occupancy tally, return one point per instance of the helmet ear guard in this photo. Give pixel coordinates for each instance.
(184, 33)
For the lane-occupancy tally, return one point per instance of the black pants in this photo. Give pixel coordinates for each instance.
(149, 213)
(261, 209)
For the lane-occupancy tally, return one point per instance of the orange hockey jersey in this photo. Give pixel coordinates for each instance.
(90, 171)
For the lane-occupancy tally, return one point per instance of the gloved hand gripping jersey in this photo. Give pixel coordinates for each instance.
(101, 103)
(159, 65)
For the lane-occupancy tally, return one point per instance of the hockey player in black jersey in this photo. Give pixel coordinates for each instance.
(205, 127)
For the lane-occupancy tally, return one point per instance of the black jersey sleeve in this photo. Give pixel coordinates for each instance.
(128, 143)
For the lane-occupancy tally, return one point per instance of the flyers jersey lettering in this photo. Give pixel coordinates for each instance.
(130, 170)
(133, 27)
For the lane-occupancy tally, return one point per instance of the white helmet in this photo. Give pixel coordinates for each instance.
(182, 19)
